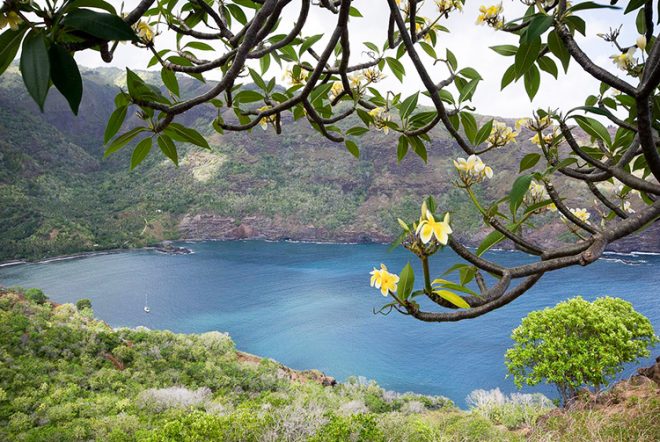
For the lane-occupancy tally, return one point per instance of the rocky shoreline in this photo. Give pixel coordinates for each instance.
(166, 247)
(207, 226)
(212, 227)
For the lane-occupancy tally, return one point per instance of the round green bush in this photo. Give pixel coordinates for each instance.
(36, 295)
(578, 344)
(84, 303)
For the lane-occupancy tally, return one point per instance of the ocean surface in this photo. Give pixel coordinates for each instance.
(310, 306)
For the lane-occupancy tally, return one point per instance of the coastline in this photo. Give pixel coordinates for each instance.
(160, 249)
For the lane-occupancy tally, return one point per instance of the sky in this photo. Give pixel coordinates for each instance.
(468, 41)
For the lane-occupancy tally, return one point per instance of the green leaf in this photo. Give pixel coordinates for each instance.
(140, 152)
(65, 75)
(98, 4)
(518, 191)
(452, 297)
(537, 26)
(470, 73)
(353, 148)
(396, 67)
(576, 23)
(264, 63)
(508, 77)
(308, 43)
(357, 131)
(428, 49)
(419, 148)
(168, 148)
(248, 96)
(506, 50)
(640, 22)
(634, 4)
(170, 81)
(527, 54)
(406, 282)
(99, 24)
(489, 241)
(408, 105)
(451, 59)
(529, 161)
(114, 123)
(237, 13)
(35, 66)
(201, 46)
(353, 12)
(594, 128)
(548, 65)
(188, 134)
(10, 41)
(558, 49)
(122, 140)
(401, 148)
(468, 91)
(469, 125)
(483, 133)
(590, 5)
(532, 79)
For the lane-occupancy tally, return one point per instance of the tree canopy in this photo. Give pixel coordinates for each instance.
(609, 145)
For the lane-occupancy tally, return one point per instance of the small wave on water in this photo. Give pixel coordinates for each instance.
(628, 262)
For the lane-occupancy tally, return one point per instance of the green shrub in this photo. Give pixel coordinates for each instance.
(84, 303)
(354, 428)
(578, 343)
(36, 295)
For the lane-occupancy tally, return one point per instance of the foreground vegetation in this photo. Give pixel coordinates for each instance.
(67, 376)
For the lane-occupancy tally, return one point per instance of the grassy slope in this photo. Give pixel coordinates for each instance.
(67, 376)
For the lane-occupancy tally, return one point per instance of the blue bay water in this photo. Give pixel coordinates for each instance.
(310, 306)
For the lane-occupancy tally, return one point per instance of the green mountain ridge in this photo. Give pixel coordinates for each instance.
(59, 196)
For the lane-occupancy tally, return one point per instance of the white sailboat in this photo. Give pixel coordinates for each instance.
(146, 305)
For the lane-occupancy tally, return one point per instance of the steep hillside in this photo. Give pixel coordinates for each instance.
(57, 194)
(65, 376)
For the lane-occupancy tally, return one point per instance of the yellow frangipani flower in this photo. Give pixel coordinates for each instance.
(384, 280)
(537, 190)
(337, 88)
(641, 42)
(381, 118)
(295, 76)
(375, 278)
(581, 214)
(538, 123)
(501, 135)
(472, 170)
(373, 75)
(430, 228)
(419, 27)
(144, 31)
(547, 139)
(491, 16)
(446, 6)
(263, 122)
(523, 122)
(11, 19)
(625, 61)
